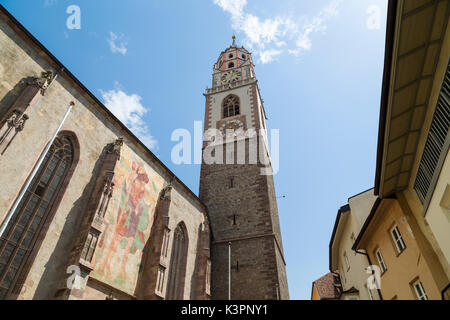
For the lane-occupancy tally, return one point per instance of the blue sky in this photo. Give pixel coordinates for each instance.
(319, 65)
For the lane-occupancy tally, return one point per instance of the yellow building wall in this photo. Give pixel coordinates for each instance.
(404, 268)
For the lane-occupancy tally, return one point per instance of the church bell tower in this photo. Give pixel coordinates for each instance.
(237, 186)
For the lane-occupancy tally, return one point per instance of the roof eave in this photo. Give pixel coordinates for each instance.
(390, 32)
(341, 210)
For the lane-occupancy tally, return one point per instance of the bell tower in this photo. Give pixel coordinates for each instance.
(236, 184)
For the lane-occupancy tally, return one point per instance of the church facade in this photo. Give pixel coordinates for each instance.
(98, 216)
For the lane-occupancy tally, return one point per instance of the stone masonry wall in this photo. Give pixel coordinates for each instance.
(244, 213)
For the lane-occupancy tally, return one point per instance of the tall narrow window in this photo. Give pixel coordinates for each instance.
(419, 290)
(165, 244)
(30, 216)
(398, 240)
(231, 106)
(381, 262)
(90, 245)
(160, 280)
(231, 182)
(177, 271)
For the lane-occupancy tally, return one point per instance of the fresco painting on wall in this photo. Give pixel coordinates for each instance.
(128, 223)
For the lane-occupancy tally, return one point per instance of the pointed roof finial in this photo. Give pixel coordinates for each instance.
(234, 41)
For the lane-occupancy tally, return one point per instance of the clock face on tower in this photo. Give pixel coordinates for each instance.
(231, 76)
(234, 127)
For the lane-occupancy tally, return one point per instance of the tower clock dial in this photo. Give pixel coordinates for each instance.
(231, 76)
(233, 126)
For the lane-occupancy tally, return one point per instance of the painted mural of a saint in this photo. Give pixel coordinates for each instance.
(133, 219)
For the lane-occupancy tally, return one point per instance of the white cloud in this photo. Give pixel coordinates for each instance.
(267, 37)
(129, 110)
(269, 55)
(317, 24)
(235, 7)
(117, 44)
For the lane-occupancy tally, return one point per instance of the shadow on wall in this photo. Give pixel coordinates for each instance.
(54, 275)
(8, 100)
(146, 259)
(196, 269)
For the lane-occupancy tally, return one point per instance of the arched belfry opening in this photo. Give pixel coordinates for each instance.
(231, 106)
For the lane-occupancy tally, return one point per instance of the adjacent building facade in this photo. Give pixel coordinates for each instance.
(405, 233)
(413, 164)
(351, 265)
(408, 268)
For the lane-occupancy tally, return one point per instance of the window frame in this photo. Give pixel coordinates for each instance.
(396, 241)
(419, 296)
(228, 110)
(53, 202)
(419, 183)
(381, 262)
(178, 263)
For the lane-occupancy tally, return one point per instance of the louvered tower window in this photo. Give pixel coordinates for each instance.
(30, 216)
(436, 146)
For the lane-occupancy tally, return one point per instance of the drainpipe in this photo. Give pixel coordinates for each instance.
(370, 263)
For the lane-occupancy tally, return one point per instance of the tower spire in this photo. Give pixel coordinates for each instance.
(234, 41)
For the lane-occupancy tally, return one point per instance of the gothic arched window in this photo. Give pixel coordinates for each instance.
(231, 106)
(177, 271)
(31, 215)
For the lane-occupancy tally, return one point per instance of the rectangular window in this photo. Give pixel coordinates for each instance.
(89, 246)
(381, 262)
(398, 240)
(160, 280)
(165, 244)
(436, 146)
(232, 181)
(419, 290)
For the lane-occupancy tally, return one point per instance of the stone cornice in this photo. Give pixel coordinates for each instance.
(226, 87)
